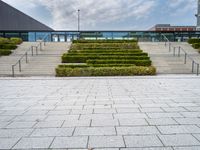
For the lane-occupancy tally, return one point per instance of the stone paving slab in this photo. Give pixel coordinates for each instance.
(102, 113)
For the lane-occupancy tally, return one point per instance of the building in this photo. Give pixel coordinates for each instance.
(198, 16)
(14, 23)
(168, 27)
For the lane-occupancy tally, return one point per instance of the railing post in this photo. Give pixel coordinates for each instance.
(40, 46)
(174, 51)
(26, 57)
(193, 66)
(20, 69)
(13, 71)
(36, 48)
(32, 50)
(169, 47)
(185, 61)
(179, 51)
(197, 69)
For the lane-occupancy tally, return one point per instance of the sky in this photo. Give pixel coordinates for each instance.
(109, 14)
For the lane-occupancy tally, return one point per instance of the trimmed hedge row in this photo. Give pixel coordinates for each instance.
(83, 59)
(103, 46)
(196, 45)
(104, 41)
(135, 62)
(5, 52)
(8, 46)
(13, 40)
(105, 54)
(192, 41)
(95, 65)
(105, 71)
(106, 51)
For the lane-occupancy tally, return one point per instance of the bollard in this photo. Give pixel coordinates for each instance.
(169, 47)
(197, 69)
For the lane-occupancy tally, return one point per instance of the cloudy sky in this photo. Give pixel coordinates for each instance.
(109, 14)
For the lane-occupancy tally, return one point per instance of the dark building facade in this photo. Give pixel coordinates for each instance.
(12, 19)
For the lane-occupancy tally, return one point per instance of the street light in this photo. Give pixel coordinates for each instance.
(78, 20)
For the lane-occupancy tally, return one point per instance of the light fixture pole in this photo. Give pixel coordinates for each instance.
(78, 20)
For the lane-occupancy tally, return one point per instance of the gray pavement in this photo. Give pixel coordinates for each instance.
(127, 113)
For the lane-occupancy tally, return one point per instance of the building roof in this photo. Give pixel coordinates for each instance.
(12, 19)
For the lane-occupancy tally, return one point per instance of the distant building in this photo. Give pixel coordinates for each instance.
(168, 27)
(198, 16)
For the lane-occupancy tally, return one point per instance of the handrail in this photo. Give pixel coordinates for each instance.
(186, 56)
(25, 55)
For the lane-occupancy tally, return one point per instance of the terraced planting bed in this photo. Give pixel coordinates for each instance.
(105, 58)
(7, 45)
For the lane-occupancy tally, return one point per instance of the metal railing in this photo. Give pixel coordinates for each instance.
(25, 55)
(177, 52)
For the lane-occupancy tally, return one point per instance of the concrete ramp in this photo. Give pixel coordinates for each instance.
(165, 61)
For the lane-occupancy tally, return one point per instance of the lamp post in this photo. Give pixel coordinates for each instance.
(78, 20)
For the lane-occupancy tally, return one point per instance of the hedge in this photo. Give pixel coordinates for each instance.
(104, 41)
(105, 71)
(107, 51)
(16, 40)
(8, 46)
(4, 52)
(94, 65)
(135, 62)
(192, 41)
(4, 40)
(83, 59)
(103, 46)
(196, 45)
(106, 54)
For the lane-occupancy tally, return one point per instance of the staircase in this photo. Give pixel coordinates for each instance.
(165, 61)
(43, 64)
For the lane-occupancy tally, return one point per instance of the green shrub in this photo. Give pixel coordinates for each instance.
(16, 40)
(106, 51)
(94, 65)
(5, 52)
(135, 62)
(104, 41)
(105, 46)
(192, 41)
(83, 59)
(8, 46)
(4, 40)
(196, 45)
(105, 54)
(105, 71)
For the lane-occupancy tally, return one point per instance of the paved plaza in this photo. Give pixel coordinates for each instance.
(133, 113)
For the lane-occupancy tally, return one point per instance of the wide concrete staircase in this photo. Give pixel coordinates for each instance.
(166, 62)
(43, 64)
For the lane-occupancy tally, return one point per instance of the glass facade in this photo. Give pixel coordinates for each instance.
(63, 36)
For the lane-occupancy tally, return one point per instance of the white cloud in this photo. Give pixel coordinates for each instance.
(93, 12)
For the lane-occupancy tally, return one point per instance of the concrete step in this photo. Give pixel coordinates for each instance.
(165, 61)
